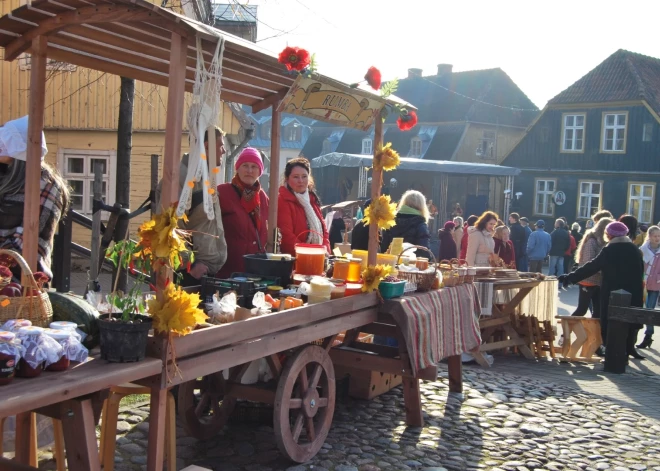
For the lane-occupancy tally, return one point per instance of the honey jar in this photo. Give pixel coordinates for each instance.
(422, 263)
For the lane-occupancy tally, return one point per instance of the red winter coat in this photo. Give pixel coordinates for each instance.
(292, 221)
(571, 247)
(464, 242)
(506, 252)
(240, 231)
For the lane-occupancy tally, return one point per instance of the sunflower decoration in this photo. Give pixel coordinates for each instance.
(175, 311)
(381, 212)
(386, 158)
(162, 239)
(373, 275)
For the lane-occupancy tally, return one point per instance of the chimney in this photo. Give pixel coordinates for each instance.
(414, 73)
(444, 69)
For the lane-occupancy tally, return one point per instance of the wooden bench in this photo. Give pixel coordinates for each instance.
(587, 341)
(620, 315)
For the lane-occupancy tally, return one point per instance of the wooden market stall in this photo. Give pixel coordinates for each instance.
(136, 39)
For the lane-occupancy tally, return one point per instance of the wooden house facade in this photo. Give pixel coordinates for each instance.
(595, 146)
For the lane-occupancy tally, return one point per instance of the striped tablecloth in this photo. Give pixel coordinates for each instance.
(437, 324)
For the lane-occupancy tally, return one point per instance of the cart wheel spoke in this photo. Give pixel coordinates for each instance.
(304, 382)
(297, 427)
(199, 406)
(310, 429)
(296, 403)
(318, 369)
(202, 404)
(322, 402)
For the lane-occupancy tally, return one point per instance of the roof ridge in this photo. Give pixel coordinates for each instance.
(632, 68)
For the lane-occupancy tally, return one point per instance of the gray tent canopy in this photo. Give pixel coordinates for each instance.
(441, 166)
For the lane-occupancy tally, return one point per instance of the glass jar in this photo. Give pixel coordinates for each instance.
(422, 263)
(354, 270)
(341, 269)
(8, 357)
(14, 325)
(339, 290)
(32, 363)
(62, 337)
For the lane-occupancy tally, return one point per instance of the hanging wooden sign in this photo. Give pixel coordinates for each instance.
(316, 98)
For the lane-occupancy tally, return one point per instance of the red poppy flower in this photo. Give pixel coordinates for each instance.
(294, 58)
(407, 121)
(373, 78)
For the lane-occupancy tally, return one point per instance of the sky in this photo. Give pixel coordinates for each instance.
(543, 46)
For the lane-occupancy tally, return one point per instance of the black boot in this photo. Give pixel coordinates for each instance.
(646, 343)
(630, 344)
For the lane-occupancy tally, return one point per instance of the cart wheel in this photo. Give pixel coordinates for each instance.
(305, 399)
(202, 409)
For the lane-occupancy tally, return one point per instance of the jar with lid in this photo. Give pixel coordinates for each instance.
(32, 362)
(10, 355)
(14, 325)
(62, 337)
(70, 326)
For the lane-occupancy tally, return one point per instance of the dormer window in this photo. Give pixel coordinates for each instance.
(416, 147)
(367, 146)
(265, 131)
(293, 132)
(327, 147)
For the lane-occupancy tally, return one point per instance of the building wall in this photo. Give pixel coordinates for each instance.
(506, 139)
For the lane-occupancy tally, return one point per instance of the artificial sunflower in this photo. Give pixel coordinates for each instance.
(177, 312)
(386, 158)
(381, 211)
(161, 238)
(373, 275)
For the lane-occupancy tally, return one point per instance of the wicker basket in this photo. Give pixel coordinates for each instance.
(423, 279)
(449, 273)
(36, 309)
(461, 268)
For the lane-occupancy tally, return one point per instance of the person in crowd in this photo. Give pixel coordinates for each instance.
(481, 245)
(504, 247)
(518, 237)
(538, 247)
(360, 240)
(411, 222)
(54, 195)
(589, 224)
(464, 241)
(590, 246)
(522, 259)
(641, 237)
(651, 255)
(433, 212)
(208, 236)
(299, 214)
(244, 208)
(561, 242)
(603, 213)
(337, 228)
(631, 223)
(622, 267)
(448, 248)
(576, 232)
(458, 231)
(458, 211)
(569, 254)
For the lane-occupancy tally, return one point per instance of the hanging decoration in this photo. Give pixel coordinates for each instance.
(386, 158)
(162, 240)
(298, 60)
(381, 212)
(176, 311)
(373, 78)
(407, 120)
(373, 275)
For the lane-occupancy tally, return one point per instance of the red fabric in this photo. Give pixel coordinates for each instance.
(572, 246)
(240, 232)
(464, 242)
(506, 252)
(292, 221)
(250, 199)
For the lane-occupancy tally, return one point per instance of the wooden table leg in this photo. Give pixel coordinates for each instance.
(413, 402)
(26, 436)
(157, 418)
(77, 418)
(524, 349)
(455, 373)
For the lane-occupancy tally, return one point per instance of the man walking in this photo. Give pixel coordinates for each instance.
(538, 247)
(561, 242)
(524, 266)
(518, 238)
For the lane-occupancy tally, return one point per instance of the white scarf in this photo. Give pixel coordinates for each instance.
(313, 221)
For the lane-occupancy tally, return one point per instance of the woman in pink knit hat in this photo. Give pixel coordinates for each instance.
(244, 207)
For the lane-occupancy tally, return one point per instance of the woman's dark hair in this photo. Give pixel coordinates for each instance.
(630, 222)
(471, 220)
(13, 181)
(298, 162)
(484, 219)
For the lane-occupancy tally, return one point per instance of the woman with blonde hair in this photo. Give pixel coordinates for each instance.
(504, 246)
(412, 217)
(480, 245)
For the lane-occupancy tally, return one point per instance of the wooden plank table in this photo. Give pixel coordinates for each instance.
(502, 319)
(74, 397)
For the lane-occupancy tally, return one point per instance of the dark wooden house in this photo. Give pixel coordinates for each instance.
(598, 143)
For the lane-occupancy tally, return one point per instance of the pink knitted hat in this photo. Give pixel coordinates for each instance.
(616, 229)
(250, 154)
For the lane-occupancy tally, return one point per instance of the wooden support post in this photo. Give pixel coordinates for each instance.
(33, 157)
(154, 180)
(274, 186)
(95, 264)
(455, 373)
(376, 183)
(26, 438)
(616, 357)
(62, 255)
(77, 418)
(157, 418)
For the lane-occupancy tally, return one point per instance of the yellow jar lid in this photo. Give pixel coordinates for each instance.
(275, 288)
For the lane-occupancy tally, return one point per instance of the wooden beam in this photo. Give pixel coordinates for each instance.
(376, 183)
(274, 186)
(33, 157)
(272, 100)
(174, 123)
(95, 14)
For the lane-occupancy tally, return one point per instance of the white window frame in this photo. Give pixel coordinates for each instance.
(88, 174)
(647, 132)
(415, 147)
(367, 146)
(616, 127)
(641, 199)
(546, 195)
(291, 132)
(589, 209)
(573, 129)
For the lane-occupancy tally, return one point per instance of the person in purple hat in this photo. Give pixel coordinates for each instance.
(448, 248)
(244, 207)
(622, 267)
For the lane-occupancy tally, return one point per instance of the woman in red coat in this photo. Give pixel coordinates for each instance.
(244, 207)
(469, 223)
(504, 246)
(299, 209)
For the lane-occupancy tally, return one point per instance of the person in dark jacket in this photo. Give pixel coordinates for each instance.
(337, 228)
(518, 237)
(631, 223)
(360, 239)
(524, 259)
(622, 267)
(411, 222)
(561, 242)
(447, 243)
